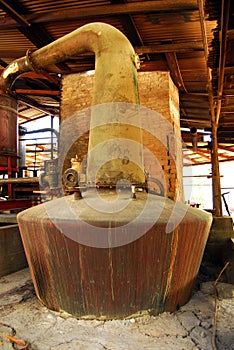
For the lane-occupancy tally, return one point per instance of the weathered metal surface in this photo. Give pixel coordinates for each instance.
(8, 131)
(154, 272)
(12, 256)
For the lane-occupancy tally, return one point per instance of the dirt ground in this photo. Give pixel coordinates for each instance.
(204, 323)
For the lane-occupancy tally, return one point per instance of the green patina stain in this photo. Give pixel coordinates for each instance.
(99, 48)
(135, 82)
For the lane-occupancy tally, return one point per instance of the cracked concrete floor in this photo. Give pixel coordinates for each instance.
(190, 328)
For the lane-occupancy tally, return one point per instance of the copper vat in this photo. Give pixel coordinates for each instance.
(153, 273)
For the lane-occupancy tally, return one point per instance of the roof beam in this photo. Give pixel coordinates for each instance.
(45, 76)
(36, 92)
(195, 120)
(3, 63)
(227, 109)
(35, 105)
(140, 49)
(105, 10)
(128, 25)
(173, 47)
(229, 70)
(223, 139)
(175, 70)
(227, 121)
(36, 33)
(14, 14)
(200, 152)
(228, 92)
(230, 34)
(12, 53)
(126, 8)
(130, 29)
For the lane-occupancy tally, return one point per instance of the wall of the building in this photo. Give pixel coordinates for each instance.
(160, 123)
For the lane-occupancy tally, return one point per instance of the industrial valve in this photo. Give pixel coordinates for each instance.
(72, 178)
(48, 178)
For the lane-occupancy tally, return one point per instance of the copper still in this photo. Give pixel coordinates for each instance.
(113, 250)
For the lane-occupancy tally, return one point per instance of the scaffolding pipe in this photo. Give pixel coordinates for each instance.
(19, 180)
(43, 130)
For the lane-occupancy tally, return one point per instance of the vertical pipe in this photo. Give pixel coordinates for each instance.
(9, 173)
(52, 137)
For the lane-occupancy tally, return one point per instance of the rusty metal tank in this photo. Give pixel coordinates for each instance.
(8, 132)
(100, 265)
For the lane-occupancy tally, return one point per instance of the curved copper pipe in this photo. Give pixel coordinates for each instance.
(115, 81)
(109, 45)
(12, 72)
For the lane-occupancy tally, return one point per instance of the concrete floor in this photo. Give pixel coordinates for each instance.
(189, 328)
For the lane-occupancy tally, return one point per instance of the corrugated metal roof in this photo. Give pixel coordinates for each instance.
(45, 6)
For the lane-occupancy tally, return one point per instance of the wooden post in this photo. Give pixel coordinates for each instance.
(216, 187)
(217, 202)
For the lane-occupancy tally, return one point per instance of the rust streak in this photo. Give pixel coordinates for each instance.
(111, 268)
(82, 277)
(172, 262)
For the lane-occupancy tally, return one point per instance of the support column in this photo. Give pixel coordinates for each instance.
(216, 187)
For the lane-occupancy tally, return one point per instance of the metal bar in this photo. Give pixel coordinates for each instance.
(15, 204)
(44, 130)
(52, 137)
(9, 173)
(19, 180)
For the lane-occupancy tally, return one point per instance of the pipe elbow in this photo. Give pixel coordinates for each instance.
(12, 72)
(97, 37)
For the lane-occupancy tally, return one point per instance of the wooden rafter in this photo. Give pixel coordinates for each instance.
(175, 70)
(3, 63)
(179, 47)
(36, 92)
(128, 24)
(35, 32)
(105, 10)
(173, 47)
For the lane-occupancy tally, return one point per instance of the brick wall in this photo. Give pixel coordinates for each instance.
(161, 135)
(160, 122)
(75, 106)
